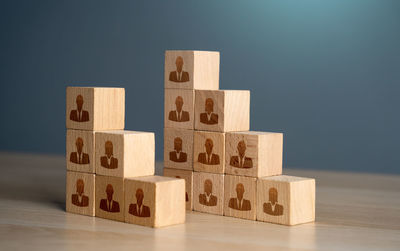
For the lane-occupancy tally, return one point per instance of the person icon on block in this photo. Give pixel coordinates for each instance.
(272, 207)
(208, 157)
(179, 75)
(79, 157)
(209, 117)
(139, 209)
(241, 161)
(108, 161)
(177, 155)
(239, 203)
(179, 115)
(207, 198)
(79, 115)
(79, 199)
(109, 205)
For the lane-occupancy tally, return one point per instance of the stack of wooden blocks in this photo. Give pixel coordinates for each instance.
(110, 171)
(228, 169)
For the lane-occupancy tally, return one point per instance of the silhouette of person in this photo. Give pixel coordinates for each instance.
(79, 157)
(139, 209)
(209, 117)
(239, 203)
(272, 207)
(79, 199)
(208, 157)
(241, 161)
(177, 155)
(206, 198)
(186, 196)
(179, 75)
(109, 161)
(79, 115)
(109, 205)
(179, 115)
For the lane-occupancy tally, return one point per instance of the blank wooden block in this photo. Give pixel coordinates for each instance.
(209, 152)
(188, 177)
(179, 108)
(124, 153)
(208, 193)
(95, 108)
(178, 148)
(222, 111)
(192, 70)
(255, 154)
(286, 200)
(110, 197)
(154, 201)
(240, 197)
(80, 151)
(80, 195)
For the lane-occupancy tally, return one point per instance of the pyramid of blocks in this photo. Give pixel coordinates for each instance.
(228, 169)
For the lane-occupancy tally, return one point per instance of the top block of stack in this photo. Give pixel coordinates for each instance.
(95, 108)
(195, 70)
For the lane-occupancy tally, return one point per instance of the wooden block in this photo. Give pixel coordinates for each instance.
(240, 197)
(286, 200)
(179, 109)
(124, 153)
(154, 201)
(178, 148)
(208, 193)
(209, 152)
(110, 197)
(222, 111)
(255, 154)
(94, 108)
(80, 195)
(188, 177)
(80, 151)
(192, 70)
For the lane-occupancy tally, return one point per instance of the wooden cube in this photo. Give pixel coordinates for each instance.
(95, 108)
(192, 70)
(154, 201)
(179, 108)
(208, 193)
(187, 175)
(178, 148)
(110, 197)
(124, 153)
(209, 152)
(222, 111)
(80, 195)
(80, 151)
(286, 200)
(255, 154)
(240, 197)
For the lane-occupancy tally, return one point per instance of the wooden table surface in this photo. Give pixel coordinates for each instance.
(353, 211)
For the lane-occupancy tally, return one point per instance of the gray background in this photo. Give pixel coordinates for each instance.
(326, 73)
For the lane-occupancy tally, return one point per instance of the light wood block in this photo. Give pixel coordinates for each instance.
(209, 152)
(124, 153)
(110, 197)
(155, 201)
(192, 70)
(208, 193)
(255, 154)
(179, 108)
(188, 177)
(80, 151)
(222, 111)
(80, 195)
(95, 108)
(178, 148)
(240, 197)
(286, 200)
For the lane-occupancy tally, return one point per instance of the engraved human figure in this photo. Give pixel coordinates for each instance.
(239, 203)
(177, 155)
(138, 209)
(208, 157)
(207, 198)
(108, 161)
(179, 115)
(179, 75)
(241, 161)
(79, 115)
(272, 207)
(109, 205)
(79, 157)
(209, 117)
(79, 199)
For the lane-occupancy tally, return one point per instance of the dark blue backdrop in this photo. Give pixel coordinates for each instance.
(326, 73)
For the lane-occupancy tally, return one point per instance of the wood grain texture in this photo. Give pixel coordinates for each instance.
(213, 185)
(83, 161)
(178, 138)
(133, 153)
(106, 186)
(201, 67)
(75, 202)
(103, 108)
(187, 175)
(183, 98)
(245, 189)
(202, 160)
(163, 201)
(295, 196)
(262, 153)
(230, 110)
